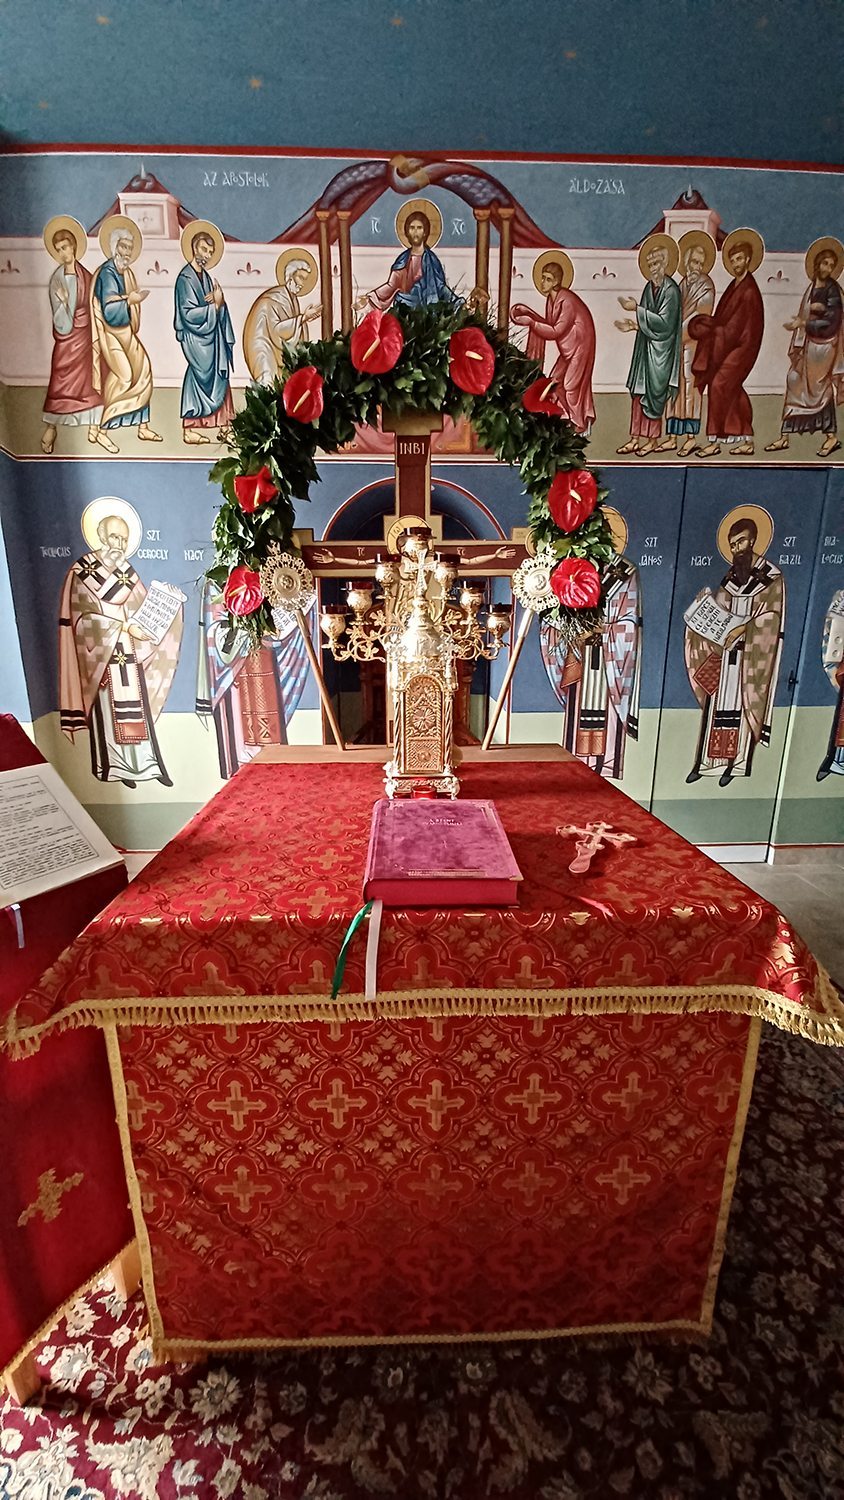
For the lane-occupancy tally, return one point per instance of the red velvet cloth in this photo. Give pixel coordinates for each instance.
(251, 901)
(56, 1118)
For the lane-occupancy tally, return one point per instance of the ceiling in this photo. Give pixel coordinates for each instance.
(679, 78)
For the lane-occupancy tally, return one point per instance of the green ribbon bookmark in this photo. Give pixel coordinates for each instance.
(340, 966)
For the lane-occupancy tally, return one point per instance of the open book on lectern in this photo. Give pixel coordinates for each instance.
(46, 837)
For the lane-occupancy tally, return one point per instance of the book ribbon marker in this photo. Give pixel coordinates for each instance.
(14, 914)
(340, 966)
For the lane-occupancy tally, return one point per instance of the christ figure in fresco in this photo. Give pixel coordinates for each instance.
(734, 680)
(568, 325)
(833, 664)
(73, 395)
(204, 330)
(597, 680)
(116, 306)
(114, 678)
(814, 385)
(417, 276)
(653, 379)
(697, 293)
(728, 343)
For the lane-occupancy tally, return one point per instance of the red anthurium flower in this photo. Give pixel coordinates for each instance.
(472, 361)
(376, 343)
(572, 498)
(253, 490)
(577, 583)
(541, 396)
(243, 594)
(302, 394)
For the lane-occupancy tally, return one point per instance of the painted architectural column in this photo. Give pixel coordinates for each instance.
(326, 280)
(505, 267)
(343, 218)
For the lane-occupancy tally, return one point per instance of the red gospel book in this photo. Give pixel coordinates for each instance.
(431, 853)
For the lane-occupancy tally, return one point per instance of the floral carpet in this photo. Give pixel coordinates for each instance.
(755, 1411)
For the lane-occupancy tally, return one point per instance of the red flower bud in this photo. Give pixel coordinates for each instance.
(472, 361)
(302, 394)
(541, 396)
(577, 583)
(572, 498)
(253, 490)
(242, 594)
(376, 343)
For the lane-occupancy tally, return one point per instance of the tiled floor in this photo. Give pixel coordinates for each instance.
(812, 897)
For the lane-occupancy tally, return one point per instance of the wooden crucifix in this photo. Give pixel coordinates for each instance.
(488, 559)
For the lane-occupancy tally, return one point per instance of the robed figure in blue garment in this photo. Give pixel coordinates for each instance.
(416, 276)
(204, 330)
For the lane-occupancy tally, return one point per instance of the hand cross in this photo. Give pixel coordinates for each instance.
(590, 839)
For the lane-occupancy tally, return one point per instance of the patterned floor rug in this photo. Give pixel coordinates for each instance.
(755, 1411)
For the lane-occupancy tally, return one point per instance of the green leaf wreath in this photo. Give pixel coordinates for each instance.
(278, 450)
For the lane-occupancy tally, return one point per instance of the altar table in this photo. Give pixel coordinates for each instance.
(532, 1128)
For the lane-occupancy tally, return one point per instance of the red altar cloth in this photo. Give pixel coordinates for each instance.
(64, 1211)
(532, 1128)
(242, 916)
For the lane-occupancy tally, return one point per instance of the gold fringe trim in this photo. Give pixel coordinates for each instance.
(731, 1172)
(191, 1349)
(49, 1324)
(436, 1004)
(118, 1084)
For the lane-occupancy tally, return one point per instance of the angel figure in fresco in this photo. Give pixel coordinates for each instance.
(276, 320)
(116, 307)
(697, 294)
(653, 379)
(204, 330)
(73, 395)
(567, 325)
(417, 277)
(598, 680)
(733, 643)
(833, 664)
(115, 672)
(728, 344)
(251, 695)
(814, 385)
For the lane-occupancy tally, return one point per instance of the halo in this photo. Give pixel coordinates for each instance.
(826, 242)
(659, 242)
(297, 252)
(398, 528)
(73, 226)
(764, 528)
(203, 226)
(549, 257)
(424, 206)
(120, 221)
(618, 527)
(752, 238)
(111, 505)
(694, 237)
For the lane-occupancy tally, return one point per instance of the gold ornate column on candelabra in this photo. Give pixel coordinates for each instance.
(421, 630)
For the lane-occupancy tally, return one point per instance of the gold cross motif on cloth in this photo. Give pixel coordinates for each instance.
(339, 1187)
(533, 1100)
(338, 1103)
(630, 1096)
(436, 1105)
(243, 1190)
(622, 1180)
(236, 1106)
(530, 1184)
(48, 1203)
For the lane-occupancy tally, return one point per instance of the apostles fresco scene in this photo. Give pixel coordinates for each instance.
(698, 345)
(670, 331)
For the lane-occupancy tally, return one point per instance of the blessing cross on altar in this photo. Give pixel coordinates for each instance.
(590, 839)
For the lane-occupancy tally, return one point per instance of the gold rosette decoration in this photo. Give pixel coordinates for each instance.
(287, 585)
(532, 582)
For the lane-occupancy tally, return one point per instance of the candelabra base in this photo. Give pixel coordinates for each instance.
(403, 783)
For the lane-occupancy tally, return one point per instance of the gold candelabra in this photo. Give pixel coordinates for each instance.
(420, 629)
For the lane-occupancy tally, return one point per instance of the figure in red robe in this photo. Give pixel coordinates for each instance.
(567, 323)
(728, 343)
(73, 396)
